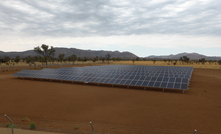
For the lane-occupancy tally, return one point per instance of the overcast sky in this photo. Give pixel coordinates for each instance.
(143, 27)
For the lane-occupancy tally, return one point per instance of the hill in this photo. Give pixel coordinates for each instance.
(78, 52)
(101, 53)
(192, 56)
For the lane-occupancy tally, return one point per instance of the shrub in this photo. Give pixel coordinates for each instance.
(9, 125)
(26, 118)
(32, 125)
(76, 127)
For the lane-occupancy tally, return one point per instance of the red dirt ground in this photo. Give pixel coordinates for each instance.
(57, 105)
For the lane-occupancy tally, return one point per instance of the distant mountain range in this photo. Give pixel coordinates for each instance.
(101, 53)
(70, 51)
(193, 56)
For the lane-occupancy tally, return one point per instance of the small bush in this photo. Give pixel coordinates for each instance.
(26, 118)
(76, 127)
(32, 125)
(9, 125)
(105, 120)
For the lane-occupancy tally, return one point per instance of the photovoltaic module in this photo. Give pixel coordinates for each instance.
(165, 77)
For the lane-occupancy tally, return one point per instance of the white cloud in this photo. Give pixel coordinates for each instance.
(175, 24)
(156, 2)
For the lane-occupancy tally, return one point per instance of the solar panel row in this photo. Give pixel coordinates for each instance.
(130, 75)
(107, 70)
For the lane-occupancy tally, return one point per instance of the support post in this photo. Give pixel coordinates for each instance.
(92, 127)
(11, 123)
(195, 131)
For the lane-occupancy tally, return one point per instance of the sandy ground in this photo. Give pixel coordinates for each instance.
(18, 131)
(64, 106)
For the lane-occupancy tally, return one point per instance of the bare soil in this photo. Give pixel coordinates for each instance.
(20, 131)
(72, 106)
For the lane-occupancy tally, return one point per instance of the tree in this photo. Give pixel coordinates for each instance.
(94, 60)
(154, 61)
(108, 56)
(116, 59)
(102, 59)
(45, 51)
(72, 58)
(79, 59)
(184, 59)
(165, 60)
(85, 59)
(5, 59)
(219, 62)
(29, 59)
(137, 58)
(133, 60)
(61, 57)
(97, 58)
(202, 60)
(17, 59)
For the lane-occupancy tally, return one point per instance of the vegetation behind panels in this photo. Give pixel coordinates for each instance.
(45, 54)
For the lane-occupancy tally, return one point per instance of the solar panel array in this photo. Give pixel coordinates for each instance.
(130, 75)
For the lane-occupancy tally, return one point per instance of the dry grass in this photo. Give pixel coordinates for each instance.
(43, 63)
(39, 65)
(207, 65)
(162, 63)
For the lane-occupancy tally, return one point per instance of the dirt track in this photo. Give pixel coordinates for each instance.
(53, 102)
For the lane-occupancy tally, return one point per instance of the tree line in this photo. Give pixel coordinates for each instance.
(46, 54)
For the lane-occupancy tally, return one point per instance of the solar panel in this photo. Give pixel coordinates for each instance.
(145, 83)
(163, 84)
(139, 83)
(131, 75)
